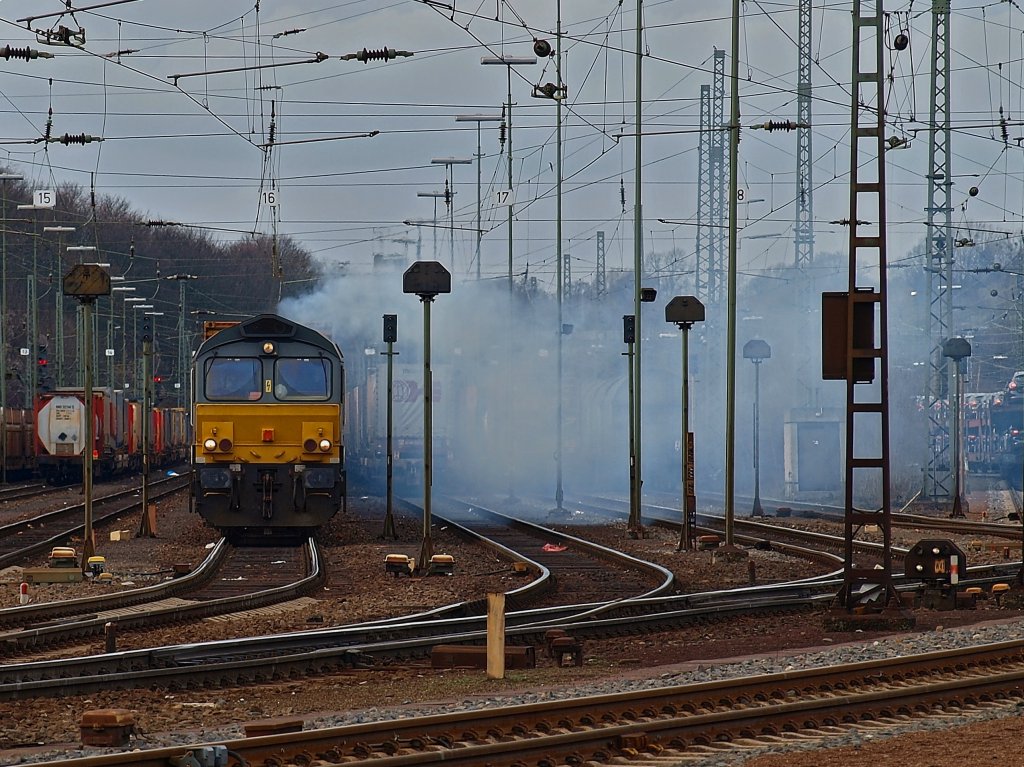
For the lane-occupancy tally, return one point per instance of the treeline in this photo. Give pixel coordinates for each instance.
(236, 274)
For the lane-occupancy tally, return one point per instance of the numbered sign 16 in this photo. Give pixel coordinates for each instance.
(269, 197)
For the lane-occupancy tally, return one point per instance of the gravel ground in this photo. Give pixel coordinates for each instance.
(358, 589)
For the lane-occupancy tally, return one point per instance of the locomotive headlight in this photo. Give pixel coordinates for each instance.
(210, 444)
(325, 445)
(269, 348)
(309, 445)
(225, 445)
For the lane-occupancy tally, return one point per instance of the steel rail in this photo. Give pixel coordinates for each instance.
(19, 529)
(604, 727)
(158, 614)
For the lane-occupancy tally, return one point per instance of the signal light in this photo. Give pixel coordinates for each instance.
(42, 361)
(158, 379)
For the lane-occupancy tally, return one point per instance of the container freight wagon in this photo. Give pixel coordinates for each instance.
(60, 425)
(169, 439)
(19, 441)
(454, 406)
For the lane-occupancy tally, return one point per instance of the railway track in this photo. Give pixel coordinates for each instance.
(298, 654)
(30, 490)
(647, 726)
(574, 571)
(232, 579)
(29, 537)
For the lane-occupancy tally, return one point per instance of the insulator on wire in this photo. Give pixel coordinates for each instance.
(80, 138)
(774, 125)
(23, 53)
(378, 54)
(501, 133)
(622, 194)
(49, 126)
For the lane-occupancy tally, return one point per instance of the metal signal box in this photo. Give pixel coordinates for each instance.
(938, 561)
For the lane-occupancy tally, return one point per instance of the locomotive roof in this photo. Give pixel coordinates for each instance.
(268, 327)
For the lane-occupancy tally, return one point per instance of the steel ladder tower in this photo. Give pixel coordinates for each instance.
(704, 228)
(601, 285)
(938, 480)
(719, 185)
(804, 225)
(867, 396)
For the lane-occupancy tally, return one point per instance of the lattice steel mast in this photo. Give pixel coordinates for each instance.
(938, 480)
(718, 236)
(704, 188)
(804, 225)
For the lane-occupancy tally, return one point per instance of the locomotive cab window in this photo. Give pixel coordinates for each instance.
(233, 378)
(302, 378)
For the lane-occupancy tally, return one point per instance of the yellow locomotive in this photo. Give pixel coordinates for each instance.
(268, 418)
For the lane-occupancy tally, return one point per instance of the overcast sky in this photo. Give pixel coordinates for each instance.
(191, 152)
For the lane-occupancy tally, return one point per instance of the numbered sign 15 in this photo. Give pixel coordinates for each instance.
(44, 198)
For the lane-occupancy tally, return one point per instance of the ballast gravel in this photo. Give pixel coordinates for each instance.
(855, 738)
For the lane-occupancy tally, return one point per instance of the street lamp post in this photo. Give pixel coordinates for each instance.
(508, 62)
(757, 351)
(478, 119)
(449, 171)
(3, 310)
(684, 311)
(79, 315)
(426, 279)
(32, 333)
(433, 227)
(957, 349)
(137, 302)
(145, 526)
(124, 329)
(58, 317)
(182, 373)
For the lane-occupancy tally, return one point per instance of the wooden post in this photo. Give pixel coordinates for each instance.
(496, 636)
